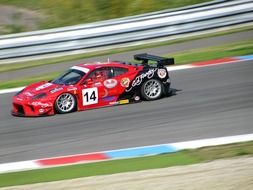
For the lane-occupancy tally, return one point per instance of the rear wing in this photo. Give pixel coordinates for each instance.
(161, 61)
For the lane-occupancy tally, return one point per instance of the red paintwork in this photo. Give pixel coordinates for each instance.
(72, 159)
(45, 105)
(216, 61)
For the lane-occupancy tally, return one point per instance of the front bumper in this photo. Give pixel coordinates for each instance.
(31, 108)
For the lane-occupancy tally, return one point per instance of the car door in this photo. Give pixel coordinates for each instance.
(93, 88)
(121, 75)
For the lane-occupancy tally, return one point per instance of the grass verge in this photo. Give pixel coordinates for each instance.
(216, 52)
(64, 12)
(27, 80)
(233, 49)
(58, 60)
(185, 157)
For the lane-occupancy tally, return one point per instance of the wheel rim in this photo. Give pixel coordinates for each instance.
(152, 89)
(65, 102)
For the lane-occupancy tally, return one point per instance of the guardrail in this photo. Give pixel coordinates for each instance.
(127, 30)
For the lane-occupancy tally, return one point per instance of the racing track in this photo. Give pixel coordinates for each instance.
(214, 101)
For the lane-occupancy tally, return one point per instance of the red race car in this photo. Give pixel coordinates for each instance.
(94, 85)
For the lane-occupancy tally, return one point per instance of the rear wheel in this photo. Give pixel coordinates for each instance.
(65, 103)
(151, 89)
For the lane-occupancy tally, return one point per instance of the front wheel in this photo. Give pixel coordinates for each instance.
(151, 89)
(65, 103)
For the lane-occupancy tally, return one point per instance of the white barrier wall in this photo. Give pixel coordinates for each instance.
(127, 30)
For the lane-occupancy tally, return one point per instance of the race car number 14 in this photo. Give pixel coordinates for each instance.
(90, 96)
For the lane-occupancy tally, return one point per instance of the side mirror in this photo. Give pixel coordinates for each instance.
(88, 81)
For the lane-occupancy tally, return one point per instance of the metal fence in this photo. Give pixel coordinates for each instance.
(128, 30)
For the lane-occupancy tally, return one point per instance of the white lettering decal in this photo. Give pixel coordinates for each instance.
(162, 73)
(138, 80)
(110, 83)
(43, 86)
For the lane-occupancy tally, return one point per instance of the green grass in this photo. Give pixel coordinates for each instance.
(194, 55)
(227, 50)
(185, 157)
(65, 12)
(27, 80)
(9, 29)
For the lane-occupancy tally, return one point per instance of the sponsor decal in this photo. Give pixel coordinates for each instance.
(110, 98)
(106, 93)
(72, 88)
(98, 84)
(41, 110)
(43, 86)
(137, 98)
(138, 80)
(40, 104)
(113, 103)
(56, 89)
(125, 82)
(28, 94)
(124, 101)
(110, 83)
(162, 73)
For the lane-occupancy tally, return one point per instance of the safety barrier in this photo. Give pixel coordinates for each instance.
(127, 30)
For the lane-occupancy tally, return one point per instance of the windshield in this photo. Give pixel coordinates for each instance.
(71, 76)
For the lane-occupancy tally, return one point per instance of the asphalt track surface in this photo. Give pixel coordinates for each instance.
(211, 102)
(126, 56)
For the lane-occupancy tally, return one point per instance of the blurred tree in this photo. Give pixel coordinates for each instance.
(71, 12)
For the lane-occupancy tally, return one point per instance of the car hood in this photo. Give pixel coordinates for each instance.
(39, 88)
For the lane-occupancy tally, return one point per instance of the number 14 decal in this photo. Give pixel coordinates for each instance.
(90, 96)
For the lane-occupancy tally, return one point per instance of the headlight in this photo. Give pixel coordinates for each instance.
(39, 96)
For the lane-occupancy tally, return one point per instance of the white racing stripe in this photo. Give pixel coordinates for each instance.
(83, 69)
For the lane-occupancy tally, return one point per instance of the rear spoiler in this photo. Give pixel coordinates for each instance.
(161, 61)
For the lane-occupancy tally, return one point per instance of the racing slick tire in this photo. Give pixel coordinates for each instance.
(152, 89)
(65, 103)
